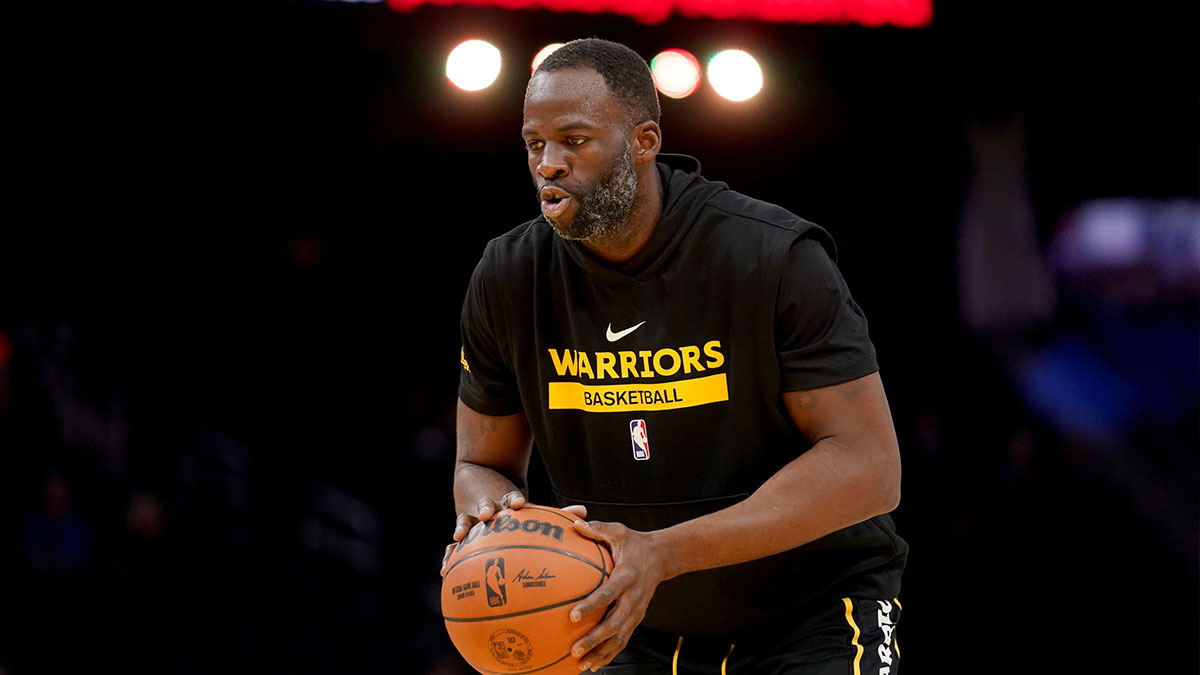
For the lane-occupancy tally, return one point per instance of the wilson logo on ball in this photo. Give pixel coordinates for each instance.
(504, 523)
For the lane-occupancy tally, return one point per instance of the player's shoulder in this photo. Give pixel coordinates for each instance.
(765, 220)
(510, 260)
(519, 245)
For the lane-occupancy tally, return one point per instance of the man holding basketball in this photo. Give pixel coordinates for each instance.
(698, 381)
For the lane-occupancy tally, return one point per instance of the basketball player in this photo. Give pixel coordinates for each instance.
(698, 380)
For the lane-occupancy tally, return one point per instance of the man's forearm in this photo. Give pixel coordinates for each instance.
(491, 457)
(829, 487)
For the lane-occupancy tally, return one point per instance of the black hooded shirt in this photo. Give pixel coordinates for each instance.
(653, 387)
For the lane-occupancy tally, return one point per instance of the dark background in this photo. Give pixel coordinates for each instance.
(240, 236)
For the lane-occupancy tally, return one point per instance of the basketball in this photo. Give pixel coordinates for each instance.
(510, 586)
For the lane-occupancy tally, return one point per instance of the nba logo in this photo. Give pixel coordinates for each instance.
(497, 594)
(641, 442)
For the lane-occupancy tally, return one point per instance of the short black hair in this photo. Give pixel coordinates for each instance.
(625, 73)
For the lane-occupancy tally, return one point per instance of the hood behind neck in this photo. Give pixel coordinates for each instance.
(680, 176)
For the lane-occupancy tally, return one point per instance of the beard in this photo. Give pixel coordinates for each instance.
(604, 205)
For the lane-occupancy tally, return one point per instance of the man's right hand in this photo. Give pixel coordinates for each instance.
(485, 510)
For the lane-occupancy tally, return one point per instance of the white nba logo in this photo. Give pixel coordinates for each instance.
(641, 442)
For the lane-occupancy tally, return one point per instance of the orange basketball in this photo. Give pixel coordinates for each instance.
(510, 586)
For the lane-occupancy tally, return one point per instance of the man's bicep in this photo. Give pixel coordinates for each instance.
(854, 409)
(501, 442)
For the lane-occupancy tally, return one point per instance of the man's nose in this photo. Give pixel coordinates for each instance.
(553, 163)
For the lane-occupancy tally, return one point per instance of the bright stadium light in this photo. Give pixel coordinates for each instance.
(676, 73)
(543, 53)
(473, 65)
(735, 75)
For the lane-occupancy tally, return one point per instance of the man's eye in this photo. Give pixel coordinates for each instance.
(576, 140)
(534, 145)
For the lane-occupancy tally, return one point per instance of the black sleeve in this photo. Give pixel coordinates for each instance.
(820, 332)
(486, 383)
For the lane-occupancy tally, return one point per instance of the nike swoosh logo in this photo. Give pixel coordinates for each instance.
(613, 337)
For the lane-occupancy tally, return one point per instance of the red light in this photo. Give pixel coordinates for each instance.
(6, 351)
(902, 13)
(676, 73)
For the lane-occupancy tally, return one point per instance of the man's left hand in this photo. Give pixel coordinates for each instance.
(639, 566)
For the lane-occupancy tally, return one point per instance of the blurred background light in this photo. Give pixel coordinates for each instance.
(735, 75)
(543, 53)
(473, 65)
(676, 73)
(6, 351)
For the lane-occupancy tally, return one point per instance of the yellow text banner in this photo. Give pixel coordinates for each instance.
(638, 396)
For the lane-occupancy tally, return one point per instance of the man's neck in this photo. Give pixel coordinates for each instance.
(642, 220)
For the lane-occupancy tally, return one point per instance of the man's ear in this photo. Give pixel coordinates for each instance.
(645, 141)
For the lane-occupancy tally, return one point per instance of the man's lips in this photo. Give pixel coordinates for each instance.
(555, 201)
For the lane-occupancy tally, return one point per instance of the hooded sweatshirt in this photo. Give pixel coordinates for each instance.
(653, 387)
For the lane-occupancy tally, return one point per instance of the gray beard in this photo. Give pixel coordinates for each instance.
(604, 210)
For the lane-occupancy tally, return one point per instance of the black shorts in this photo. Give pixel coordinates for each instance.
(850, 636)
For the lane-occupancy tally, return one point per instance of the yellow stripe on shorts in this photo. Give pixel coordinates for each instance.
(896, 640)
(857, 633)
